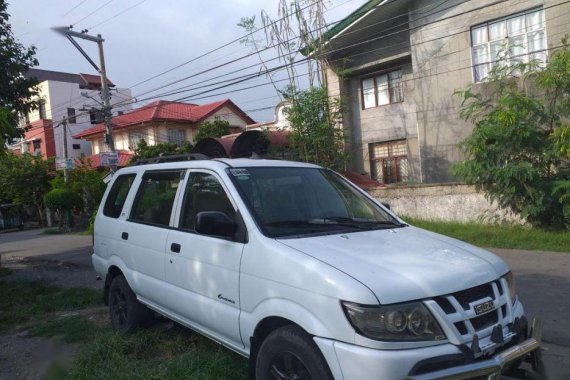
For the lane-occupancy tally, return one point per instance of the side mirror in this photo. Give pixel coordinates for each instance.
(214, 223)
(387, 205)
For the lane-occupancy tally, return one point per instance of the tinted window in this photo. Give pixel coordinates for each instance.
(118, 195)
(203, 193)
(300, 201)
(155, 198)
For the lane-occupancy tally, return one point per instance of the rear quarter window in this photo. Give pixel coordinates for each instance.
(118, 195)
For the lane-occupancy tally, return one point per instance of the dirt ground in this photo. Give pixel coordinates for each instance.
(543, 283)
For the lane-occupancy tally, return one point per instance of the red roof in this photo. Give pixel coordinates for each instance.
(362, 180)
(162, 110)
(124, 158)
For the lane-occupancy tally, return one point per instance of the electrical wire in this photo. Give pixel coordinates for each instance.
(90, 14)
(117, 15)
(74, 8)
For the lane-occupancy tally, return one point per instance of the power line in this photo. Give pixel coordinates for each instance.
(74, 8)
(236, 90)
(117, 15)
(90, 14)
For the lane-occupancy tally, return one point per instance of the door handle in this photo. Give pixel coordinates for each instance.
(125, 236)
(175, 247)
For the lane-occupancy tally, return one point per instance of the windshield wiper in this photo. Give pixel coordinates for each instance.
(358, 222)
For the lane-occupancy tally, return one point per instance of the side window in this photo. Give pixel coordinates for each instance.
(118, 195)
(155, 198)
(203, 193)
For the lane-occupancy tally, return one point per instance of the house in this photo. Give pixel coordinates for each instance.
(280, 122)
(163, 121)
(396, 65)
(75, 97)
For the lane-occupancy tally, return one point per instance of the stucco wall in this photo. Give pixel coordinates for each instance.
(448, 202)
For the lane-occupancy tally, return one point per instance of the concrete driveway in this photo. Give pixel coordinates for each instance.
(543, 281)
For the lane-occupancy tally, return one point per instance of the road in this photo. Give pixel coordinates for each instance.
(543, 281)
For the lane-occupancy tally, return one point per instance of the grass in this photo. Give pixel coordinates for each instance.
(5, 271)
(22, 302)
(156, 353)
(499, 236)
(71, 329)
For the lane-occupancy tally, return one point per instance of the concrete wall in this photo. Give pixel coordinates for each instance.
(446, 202)
(441, 56)
(439, 63)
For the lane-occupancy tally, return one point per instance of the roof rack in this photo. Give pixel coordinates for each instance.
(172, 158)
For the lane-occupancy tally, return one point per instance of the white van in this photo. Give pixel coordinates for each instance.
(293, 266)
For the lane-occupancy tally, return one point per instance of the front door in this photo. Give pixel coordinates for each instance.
(203, 271)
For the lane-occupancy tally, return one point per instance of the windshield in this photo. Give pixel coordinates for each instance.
(307, 201)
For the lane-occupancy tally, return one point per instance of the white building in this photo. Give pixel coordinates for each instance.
(76, 97)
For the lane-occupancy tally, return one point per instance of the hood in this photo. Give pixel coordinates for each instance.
(404, 264)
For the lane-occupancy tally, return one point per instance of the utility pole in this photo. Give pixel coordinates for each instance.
(105, 95)
(65, 152)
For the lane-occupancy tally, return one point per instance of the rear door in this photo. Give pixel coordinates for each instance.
(145, 232)
(203, 271)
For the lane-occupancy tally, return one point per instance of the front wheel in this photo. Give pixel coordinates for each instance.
(127, 313)
(289, 353)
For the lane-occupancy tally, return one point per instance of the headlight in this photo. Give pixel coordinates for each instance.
(403, 322)
(512, 286)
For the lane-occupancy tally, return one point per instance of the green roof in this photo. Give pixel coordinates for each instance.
(354, 16)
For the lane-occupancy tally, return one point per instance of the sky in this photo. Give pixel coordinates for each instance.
(152, 36)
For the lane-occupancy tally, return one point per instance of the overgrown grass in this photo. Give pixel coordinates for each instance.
(499, 236)
(71, 329)
(154, 353)
(21, 302)
(5, 271)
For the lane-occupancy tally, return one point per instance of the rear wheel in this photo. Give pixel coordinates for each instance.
(289, 353)
(127, 313)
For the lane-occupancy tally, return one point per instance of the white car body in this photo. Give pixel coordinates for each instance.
(225, 289)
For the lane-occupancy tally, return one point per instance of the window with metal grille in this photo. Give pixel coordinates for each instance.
(519, 38)
(382, 89)
(389, 161)
(176, 136)
(135, 138)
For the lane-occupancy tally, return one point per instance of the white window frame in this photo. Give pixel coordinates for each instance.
(384, 94)
(505, 38)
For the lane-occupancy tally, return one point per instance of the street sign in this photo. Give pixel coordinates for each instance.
(64, 163)
(109, 158)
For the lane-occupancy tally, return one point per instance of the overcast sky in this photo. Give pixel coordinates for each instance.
(152, 37)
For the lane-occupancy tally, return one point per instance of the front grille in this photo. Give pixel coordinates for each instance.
(459, 309)
(485, 320)
(465, 297)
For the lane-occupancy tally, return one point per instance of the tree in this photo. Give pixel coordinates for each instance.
(25, 179)
(18, 94)
(316, 135)
(520, 140)
(213, 129)
(62, 200)
(84, 181)
(144, 150)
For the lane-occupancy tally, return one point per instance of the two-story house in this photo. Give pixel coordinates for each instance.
(163, 121)
(396, 65)
(75, 97)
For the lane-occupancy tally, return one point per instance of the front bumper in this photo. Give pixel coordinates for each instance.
(492, 368)
(350, 362)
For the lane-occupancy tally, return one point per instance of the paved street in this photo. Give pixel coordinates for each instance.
(543, 281)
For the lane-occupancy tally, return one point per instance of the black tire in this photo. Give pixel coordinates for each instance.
(290, 353)
(127, 313)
